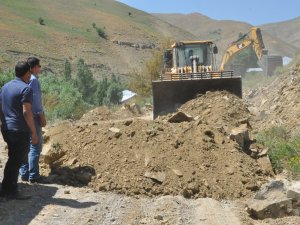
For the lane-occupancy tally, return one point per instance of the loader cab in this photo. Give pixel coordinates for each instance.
(185, 52)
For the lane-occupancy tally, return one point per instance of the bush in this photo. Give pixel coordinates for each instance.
(105, 92)
(109, 91)
(85, 82)
(284, 151)
(67, 70)
(141, 80)
(113, 93)
(140, 83)
(41, 21)
(101, 32)
(61, 98)
(6, 76)
(100, 94)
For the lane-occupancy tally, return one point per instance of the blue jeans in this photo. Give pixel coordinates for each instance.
(30, 168)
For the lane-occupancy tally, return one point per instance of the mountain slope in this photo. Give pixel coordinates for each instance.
(289, 31)
(68, 34)
(223, 32)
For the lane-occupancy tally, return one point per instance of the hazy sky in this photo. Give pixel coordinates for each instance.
(255, 12)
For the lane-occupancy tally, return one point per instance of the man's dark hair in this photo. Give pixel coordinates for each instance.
(33, 61)
(21, 68)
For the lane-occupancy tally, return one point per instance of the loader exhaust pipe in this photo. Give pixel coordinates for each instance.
(194, 60)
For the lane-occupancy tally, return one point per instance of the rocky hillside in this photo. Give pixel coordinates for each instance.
(288, 31)
(278, 104)
(226, 31)
(68, 33)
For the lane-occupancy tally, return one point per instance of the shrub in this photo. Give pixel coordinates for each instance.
(114, 92)
(67, 70)
(284, 151)
(61, 98)
(41, 21)
(140, 83)
(109, 91)
(6, 76)
(101, 32)
(141, 80)
(85, 82)
(102, 88)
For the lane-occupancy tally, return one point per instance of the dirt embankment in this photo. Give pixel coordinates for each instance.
(278, 104)
(143, 157)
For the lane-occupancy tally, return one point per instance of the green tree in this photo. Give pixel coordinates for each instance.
(113, 94)
(109, 91)
(85, 82)
(141, 80)
(67, 70)
(102, 88)
(61, 98)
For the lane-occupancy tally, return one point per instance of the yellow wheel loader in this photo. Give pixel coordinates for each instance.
(189, 69)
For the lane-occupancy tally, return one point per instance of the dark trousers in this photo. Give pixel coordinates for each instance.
(18, 147)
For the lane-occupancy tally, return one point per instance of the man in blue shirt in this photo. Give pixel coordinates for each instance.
(16, 125)
(30, 168)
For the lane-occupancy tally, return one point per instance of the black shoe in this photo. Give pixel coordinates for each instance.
(17, 196)
(25, 179)
(40, 180)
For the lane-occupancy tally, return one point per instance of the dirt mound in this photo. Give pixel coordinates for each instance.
(140, 157)
(279, 103)
(219, 109)
(103, 113)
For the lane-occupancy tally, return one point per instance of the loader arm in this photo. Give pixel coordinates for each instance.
(232, 50)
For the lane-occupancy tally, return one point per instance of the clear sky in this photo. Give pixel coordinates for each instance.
(255, 12)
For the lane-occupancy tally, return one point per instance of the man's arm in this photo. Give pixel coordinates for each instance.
(43, 119)
(1, 112)
(1, 115)
(27, 112)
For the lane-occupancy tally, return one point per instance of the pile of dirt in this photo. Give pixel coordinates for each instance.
(278, 104)
(218, 109)
(142, 157)
(103, 113)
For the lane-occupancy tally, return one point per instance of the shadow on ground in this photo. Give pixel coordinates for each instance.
(23, 212)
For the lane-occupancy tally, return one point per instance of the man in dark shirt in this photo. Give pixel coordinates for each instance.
(17, 125)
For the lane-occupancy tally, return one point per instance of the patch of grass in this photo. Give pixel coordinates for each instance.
(284, 151)
(6, 76)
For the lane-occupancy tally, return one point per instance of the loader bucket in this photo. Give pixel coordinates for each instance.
(169, 94)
